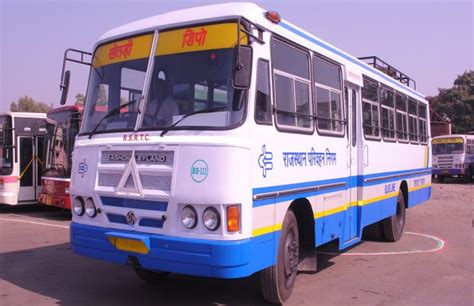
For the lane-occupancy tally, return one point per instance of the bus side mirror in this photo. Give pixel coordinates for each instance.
(242, 67)
(65, 87)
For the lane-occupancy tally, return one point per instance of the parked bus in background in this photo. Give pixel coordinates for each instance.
(453, 156)
(21, 156)
(247, 142)
(63, 126)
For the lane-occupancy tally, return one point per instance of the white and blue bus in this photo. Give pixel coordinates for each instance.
(221, 141)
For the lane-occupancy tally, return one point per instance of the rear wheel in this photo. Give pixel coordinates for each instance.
(277, 281)
(393, 226)
(441, 179)
(149, 276)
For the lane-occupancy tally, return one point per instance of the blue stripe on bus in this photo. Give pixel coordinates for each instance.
(353, 181)
(117, 218)
(347, 57)
(134, 203)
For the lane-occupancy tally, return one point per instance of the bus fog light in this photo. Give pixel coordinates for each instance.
(211, 218)
(189, 217)
(90, 209)
(78, 206)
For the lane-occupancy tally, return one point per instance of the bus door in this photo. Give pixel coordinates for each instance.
(39, 163)
(30, 157)
(354, 161)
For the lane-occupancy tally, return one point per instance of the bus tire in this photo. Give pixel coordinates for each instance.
(468, 175)
(393, 226)
(277, 281)
(441, 179)
(149, 276)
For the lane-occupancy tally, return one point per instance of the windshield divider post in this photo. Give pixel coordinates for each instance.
(146, 83)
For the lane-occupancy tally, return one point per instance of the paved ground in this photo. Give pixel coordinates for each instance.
(37, 266)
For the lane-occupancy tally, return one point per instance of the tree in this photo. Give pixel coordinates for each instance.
(28, 104)
(80, 99)
(457, 103)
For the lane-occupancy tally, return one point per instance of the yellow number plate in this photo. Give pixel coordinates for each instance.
(48, 200)
(445, 171)
(129, 245)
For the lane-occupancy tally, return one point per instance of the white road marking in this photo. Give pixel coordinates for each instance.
(439, 245)
(37, 223)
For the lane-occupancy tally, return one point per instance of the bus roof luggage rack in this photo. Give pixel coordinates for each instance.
(381, 65)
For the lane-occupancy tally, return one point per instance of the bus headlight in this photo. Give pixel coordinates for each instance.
(211, 218)
(78, 206)
(90, 209)
(189, 217)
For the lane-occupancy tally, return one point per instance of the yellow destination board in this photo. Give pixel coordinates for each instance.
(448, 140)
(200, 38)
(205, 37)
(123, 50)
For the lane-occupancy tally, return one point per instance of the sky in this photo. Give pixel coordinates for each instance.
(432, 41)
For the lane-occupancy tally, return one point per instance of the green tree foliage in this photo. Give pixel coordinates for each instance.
(457, 103)
(28, 104)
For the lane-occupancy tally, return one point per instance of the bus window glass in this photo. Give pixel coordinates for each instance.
(388, 113)
(327, 73)
(412, 120)
(289, 59)
(422, 123)
(292, 96)
(6, 145)
(117, 67)
(263, 106)
(62, 127)
(205, 70)
(402, 131)
(327, 77)
(370, 109)
(302, 104)
(284, 100)
(323, 108)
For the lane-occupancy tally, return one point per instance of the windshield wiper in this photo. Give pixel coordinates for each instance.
(113, 111)
(202, 111)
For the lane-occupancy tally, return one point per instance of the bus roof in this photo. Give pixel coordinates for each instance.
(256, 14)
(24, 114)
(77, 108)
(464, 136)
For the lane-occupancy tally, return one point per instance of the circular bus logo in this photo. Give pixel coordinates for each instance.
(199, 171)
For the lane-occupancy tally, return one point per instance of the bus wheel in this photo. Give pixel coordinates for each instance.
(393, 226)
(468, 175)
(441, 179)
(277, 281)
(151, 277)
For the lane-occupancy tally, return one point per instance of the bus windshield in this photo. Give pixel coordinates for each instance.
(192, 71)
(62, 128)
(448, 148)
(6, 145)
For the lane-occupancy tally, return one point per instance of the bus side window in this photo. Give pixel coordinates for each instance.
(263, 107)
(370, 109)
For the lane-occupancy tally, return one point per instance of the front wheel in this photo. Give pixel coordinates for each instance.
(393, 226)
(277, 281)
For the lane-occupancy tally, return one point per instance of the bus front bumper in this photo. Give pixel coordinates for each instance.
(62, 201)
(450, 171)
(200, 257)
